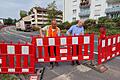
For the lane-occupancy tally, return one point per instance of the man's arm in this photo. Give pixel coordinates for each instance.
(69, 31)
(43, 30)
(58, 31)
(41, 34)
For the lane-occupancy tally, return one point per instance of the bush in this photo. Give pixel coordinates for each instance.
(73, 23)
(65, 25)
(109, 25)
(90, 23)
(35, 28)
(103, 20)
(63, 31)
(117, 21)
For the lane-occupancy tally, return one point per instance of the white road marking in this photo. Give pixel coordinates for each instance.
(62, 77)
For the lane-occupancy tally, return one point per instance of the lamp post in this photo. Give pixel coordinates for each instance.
(64, 11)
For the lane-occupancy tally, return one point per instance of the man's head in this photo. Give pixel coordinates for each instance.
(80, 23)
(54, 23)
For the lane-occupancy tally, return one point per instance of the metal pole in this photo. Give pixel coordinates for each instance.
(64, 10)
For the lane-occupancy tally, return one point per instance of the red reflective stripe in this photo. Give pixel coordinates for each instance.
(11, 61)
(40, 51)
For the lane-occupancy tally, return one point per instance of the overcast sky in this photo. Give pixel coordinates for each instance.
(11, 8)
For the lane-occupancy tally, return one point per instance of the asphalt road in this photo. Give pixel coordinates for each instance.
(65, 71)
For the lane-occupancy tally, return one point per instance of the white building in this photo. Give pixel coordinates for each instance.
(71, 10)
(1, 21)
(90, 9)
(39, 16)
(113, 9)
(24, 23)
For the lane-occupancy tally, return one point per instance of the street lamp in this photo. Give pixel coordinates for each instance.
(64, 11)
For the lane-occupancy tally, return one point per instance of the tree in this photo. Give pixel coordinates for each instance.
(89, 23)
(23, 13)
(52, 10)
(117, 21)
(103, 20)
(14, 21)
(10, 21)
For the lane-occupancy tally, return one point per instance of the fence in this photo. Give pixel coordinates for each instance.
(108, 48)
(21, 58)
(64, 48)
(17, 58)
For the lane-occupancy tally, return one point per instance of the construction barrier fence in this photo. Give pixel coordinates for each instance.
(64, 48)
(21, 58)
(17, 58)
(108, 48)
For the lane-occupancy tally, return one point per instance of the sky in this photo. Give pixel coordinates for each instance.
(11, 8)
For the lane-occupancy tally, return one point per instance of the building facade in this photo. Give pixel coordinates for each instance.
(113, 9)
(1, 21)
(90, 9)
(39, 16)
(24, 23)
(71, 10)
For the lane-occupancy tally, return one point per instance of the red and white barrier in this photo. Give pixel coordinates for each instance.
(17, 58)
(64, 47)
(108, 48)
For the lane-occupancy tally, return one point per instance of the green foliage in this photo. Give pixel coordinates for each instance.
(65, 25)
(10, 21)
(73, 23)
(89, 24)
(23, 13)
(63, 31)
(13, 76)
(52, 10)
(103, 20)
(117, 21)
(8, 77)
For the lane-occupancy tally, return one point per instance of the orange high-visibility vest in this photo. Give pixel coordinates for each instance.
(52, 33)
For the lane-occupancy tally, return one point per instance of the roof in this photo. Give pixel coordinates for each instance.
(44, 9)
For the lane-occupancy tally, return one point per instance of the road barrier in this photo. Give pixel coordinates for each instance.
(17, 58)
(108, 48)
(21, 58)
(64, 48)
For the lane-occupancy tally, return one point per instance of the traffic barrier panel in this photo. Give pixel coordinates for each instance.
(64, 48)
(17, 58)
(108, 48)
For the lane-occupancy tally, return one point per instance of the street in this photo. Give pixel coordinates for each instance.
(65, 71)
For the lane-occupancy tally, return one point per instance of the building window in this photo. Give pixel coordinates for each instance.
(74, 11)
(40, 20)
(33, 16)
(33, 20)
(97, 5)
(39, 16)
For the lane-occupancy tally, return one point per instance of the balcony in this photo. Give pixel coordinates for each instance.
(84, 13)
(113, 1)
(112, 10)
(85, 4)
